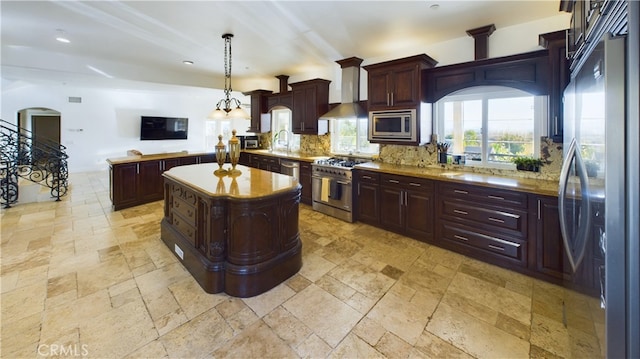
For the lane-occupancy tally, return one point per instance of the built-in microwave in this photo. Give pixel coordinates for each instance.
(393, 125)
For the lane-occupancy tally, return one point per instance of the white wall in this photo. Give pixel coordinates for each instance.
(107, 122)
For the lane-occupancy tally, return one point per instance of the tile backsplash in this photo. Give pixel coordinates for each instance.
(427, 156)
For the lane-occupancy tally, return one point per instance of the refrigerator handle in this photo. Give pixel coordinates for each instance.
(575, 247)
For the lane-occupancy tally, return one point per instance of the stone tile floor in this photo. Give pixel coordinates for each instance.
(78, 279)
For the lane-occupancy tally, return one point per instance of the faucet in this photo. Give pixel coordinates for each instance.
(279, 136)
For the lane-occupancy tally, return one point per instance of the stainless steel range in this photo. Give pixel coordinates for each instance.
(332, 187)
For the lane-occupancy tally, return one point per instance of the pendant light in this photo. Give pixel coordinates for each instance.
(228, 107)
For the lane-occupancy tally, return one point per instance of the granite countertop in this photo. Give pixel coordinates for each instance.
(251, 183)
(536, 186)
(298, 156)
(155, 156)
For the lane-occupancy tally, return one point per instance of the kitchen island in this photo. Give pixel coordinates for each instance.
(234, 233)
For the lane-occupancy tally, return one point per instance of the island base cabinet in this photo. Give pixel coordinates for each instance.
(240, 246)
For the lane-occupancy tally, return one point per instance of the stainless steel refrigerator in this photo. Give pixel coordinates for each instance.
(593, 189)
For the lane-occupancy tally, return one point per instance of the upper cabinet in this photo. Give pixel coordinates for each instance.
(397, 84)
(527, 72)
(259, 111)
(590, 19)
(558, 77)
(310, 101)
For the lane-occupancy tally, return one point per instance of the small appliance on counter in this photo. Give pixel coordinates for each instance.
(251, 142)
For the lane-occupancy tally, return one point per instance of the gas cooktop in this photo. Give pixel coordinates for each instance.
(339, 162)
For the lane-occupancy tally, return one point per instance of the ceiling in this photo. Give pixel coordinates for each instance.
(115, 42)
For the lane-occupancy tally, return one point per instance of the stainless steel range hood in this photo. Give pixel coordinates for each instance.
(350, 91)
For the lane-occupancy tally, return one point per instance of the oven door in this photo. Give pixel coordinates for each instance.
(332, 192)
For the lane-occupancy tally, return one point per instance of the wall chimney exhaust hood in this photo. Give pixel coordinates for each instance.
(350, 91)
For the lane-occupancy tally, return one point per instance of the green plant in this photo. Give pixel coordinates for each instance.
(526, 163)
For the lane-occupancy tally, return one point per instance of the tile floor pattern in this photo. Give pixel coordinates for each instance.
(79, 277)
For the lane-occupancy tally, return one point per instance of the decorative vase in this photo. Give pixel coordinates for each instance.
(221, 155)
(234, 153)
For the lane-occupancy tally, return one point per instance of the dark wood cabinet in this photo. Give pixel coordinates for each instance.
(137, 182)
(397, 84)
(558, 77)
(259, 108)
(368, 197)
(266, 163)
(486, 223)
(310, 101)
(527, 72)
(123, 180)
(150, 181)
(282, 99)
(305, 181)
(245, 159)
(406, 206)
(551, 259)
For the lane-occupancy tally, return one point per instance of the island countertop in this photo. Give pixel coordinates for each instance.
(251, 183)
(529, 185)
(155, 156)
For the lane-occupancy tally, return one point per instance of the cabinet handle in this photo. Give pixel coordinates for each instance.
(415, 184)
(460, 237)
(566, 45)
(539, 210)
(460, 191)
(460, 212)
(388, 103)
(366, 177)
(496, 247)
(555, 125)
(394, 181)
(406, 198)
(496, 197)
(392, 99)
(137, 168)
(496, 220)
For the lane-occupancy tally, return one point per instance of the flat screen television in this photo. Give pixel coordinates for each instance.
(163, 128)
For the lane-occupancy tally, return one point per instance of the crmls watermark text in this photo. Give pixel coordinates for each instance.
(72, 350)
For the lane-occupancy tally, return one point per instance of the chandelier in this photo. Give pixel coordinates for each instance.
(228, 107)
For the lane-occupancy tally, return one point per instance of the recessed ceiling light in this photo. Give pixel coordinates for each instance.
(434, 6)
(187, 62)
(61, 36)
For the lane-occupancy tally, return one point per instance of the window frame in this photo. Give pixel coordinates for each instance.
(484, 94)
(335, 137)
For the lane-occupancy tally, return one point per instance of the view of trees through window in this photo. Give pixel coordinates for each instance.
(349, 136)
(490, 127)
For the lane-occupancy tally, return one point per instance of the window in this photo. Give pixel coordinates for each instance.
(281, 132)
(213, 128)
(491, 125)
(349, 136)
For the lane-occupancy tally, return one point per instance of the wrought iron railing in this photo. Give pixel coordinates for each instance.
(37, 159)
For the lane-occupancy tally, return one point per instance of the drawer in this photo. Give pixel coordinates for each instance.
(483, 195)
(185, 210)
(512, 220)
(463, 236)
(184, 227)
(407, 182)
(184, 194)
(368, 177)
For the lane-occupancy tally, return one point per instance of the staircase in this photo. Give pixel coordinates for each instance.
(36, 159)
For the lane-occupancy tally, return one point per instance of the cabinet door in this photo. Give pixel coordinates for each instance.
(299, 110)
(192, 160)
(406, 87)
(245, 159)
(368, 203)
(391, 208)
(550, 253)
(150, 181)
(170, 163)
(305, 181)
(124, 185)
(379, 87)
(419, 214)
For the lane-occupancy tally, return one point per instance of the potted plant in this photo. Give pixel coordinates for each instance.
(526, 163)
